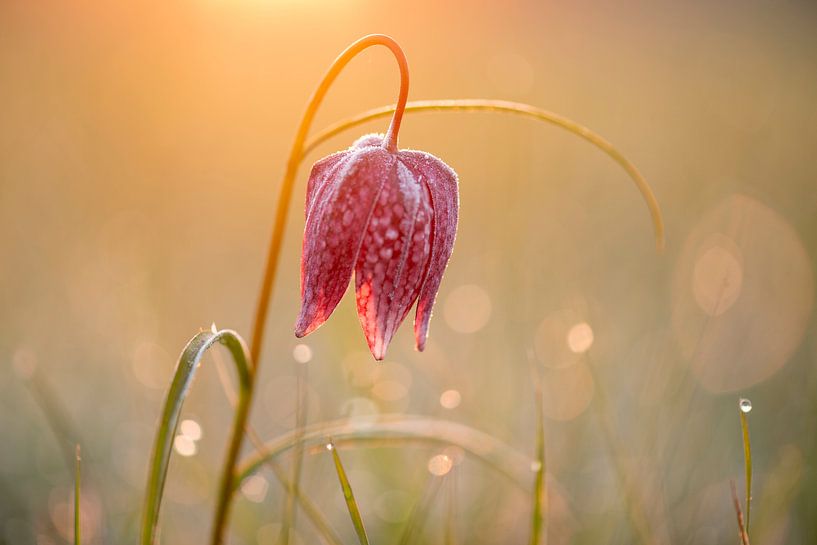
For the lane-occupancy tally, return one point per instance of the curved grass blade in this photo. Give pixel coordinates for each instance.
(185, 370)
(516, 108)
(397, 430)
(77, 529)
(744, 407)
(348, 495)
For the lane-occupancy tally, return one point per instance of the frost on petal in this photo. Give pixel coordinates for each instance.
(334, 230)
(441, 181)
(373, 139)
(393, 257)
(320, 173)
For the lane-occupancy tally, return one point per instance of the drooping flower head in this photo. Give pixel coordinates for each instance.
(391, 217)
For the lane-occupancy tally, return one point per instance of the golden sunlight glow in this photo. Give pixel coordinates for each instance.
(439, 465)
(580, 337)
(467, 309)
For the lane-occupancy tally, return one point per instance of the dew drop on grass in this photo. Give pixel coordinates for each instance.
(745, 405)
(536, 466)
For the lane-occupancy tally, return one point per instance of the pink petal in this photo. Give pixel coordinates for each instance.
(334, 229)
(321, 172)
(393, 256)
(441, 181)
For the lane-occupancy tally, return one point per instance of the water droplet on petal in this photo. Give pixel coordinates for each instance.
(745, 405)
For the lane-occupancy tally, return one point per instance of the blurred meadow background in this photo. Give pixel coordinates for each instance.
(141, 150)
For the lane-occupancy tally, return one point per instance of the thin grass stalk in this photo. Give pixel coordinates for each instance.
(77, 509)
(538, 533)
(185, 370)
(747, 463)
(56, 415)
(742, 529)
(349, 496)
(301, 407)
(635, 507)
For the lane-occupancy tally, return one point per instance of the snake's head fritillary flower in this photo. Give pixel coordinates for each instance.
(389, 216)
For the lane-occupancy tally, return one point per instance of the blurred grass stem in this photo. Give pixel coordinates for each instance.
(747, 460)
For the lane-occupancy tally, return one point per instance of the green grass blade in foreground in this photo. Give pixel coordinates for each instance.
(76, 499)
(348, 495)
(185, 370)
(745, 406)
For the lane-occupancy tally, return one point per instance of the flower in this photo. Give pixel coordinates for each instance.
(391, 216)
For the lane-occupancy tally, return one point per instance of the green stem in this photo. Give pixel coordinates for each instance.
(77, 508)
(185, 370)
(747, 460)
(538, 532)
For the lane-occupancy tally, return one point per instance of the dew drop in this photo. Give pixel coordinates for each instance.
(536, 466)
(330, 446)
(745, 405)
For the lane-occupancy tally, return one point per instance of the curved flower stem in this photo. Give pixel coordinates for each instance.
(296, 155)
(185, 370)
(517, 108)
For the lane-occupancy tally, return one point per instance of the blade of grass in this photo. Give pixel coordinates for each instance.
(397, 430)
(185, 370)
(348, 495)
(290, 511)
(76, 498)
(538, 532)
(744, 536)
(747, 455)
(325, 531)
(56, 415)
(635, 506)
